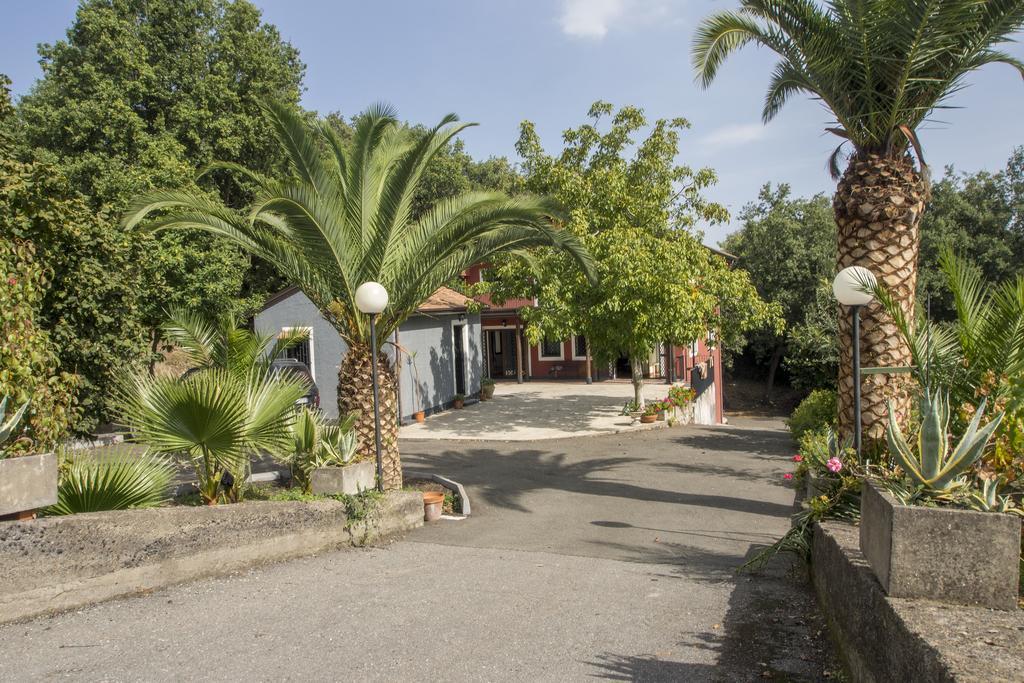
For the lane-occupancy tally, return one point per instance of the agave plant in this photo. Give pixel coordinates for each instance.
(217, 417)
(933, 466)
(113, 481)
(9, 427)
(316, 443)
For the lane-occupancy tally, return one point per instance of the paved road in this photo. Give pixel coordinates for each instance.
(604, 557)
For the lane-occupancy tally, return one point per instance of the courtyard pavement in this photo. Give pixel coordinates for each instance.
(539, 410)
(598, 557)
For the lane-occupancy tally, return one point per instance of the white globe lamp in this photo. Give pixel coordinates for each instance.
(852, 286)
(371, 298)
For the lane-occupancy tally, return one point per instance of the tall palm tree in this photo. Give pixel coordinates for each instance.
(881, 67)
(345, 217)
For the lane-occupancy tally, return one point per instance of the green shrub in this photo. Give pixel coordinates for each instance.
(815, 412)
(113, 481)
(28, 364)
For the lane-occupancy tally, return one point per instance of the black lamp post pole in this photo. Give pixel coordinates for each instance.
(856, 380)
(376, 400)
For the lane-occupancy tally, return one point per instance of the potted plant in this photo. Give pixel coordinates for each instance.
(650, 413)
(418, 415)
(27, 482)
(433, 505)
(486, 389)
(682, 402)
(632, 409)
(321, 455)
(915, 533)
(458, 401)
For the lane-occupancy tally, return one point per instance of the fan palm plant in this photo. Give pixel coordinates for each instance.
(217, 417)
(344, 217)
(881, 67)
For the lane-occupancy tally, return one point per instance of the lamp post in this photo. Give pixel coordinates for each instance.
(851, 288)
(372, 299)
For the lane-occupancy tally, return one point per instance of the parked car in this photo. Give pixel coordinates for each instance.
(291, 366)
(298, 368)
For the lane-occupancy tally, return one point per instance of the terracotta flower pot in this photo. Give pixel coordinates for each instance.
(458, 404)
(433, 503)
(648, 419)
(486, 392)
(419, 416)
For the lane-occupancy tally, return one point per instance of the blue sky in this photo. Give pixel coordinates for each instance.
(498, 63)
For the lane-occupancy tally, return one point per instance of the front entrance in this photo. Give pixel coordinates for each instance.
(501, 353)
(459, 332)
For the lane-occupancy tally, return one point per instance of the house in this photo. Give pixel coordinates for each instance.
(438, 349)
(507, 355)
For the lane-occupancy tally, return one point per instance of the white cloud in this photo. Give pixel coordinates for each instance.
(590, 18)
(734, 135)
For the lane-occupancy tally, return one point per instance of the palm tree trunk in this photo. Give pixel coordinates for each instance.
(878, 207)
(355, 392)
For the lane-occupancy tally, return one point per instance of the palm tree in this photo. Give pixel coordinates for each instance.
(346, 217)
(881, 67)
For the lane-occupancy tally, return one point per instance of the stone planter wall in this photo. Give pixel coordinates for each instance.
(27, 483)
(350, 479)
(957, 556)
(60, 563)
(881, 638)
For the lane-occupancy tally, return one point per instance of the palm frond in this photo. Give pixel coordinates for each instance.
(117, 480)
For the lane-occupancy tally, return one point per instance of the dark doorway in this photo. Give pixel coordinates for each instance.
(623, 368)
(460, 358)
(501, 353)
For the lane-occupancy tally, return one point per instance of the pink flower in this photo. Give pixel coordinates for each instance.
(787, 476)
(834, 464)
(798, 458)
(12, 281)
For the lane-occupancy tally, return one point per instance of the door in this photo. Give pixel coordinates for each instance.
(460, 358)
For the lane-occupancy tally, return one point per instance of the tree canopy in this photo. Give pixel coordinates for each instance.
(140, 94)
(637, 214)
(788, 246)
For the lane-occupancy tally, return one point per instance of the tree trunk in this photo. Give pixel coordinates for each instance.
(878, 207)
(355, 392)
(773, 367)
(154, 347)
(638, 383)
(590, 374)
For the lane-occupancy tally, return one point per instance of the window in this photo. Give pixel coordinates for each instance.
(551, 350)
(579, 347)
(303, 351)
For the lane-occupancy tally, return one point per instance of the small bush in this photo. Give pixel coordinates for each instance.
(814, 413)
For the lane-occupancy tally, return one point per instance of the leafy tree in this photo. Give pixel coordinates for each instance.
(345, 218)
(978, 216)
(880, 67)
(138, 95)
(636, 216)
(788, 247)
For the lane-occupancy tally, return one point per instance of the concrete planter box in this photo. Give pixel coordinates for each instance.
(350, 479)
(27, 483)
(955, 556)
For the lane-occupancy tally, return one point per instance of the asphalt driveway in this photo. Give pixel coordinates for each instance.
(607, 557)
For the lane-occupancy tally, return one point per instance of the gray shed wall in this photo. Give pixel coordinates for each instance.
(428, 336)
